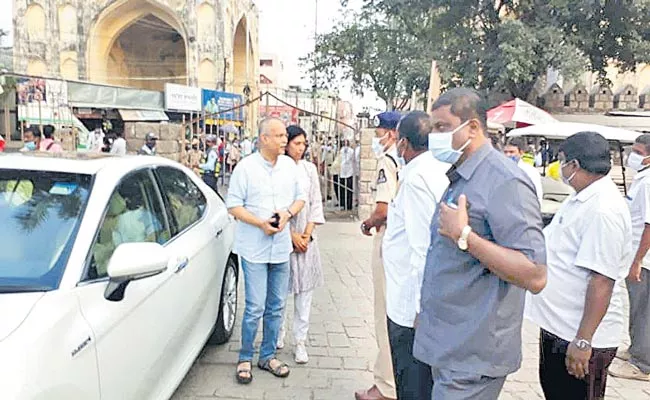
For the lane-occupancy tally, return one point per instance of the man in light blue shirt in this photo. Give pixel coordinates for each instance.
(264, 194)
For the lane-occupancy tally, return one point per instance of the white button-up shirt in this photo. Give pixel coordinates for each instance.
(347, 162)
(592, 232)
(262, 188)
(422, 182)
(638, 199)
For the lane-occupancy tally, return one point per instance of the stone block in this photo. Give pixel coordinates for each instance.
(167, 147)
(365, 211)
(367, 176)
(368, 165)
(366, 199)
(171, 132)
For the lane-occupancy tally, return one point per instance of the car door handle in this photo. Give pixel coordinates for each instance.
(182, 264)
(219, 232)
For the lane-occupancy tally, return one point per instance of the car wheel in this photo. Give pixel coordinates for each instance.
(227, 306)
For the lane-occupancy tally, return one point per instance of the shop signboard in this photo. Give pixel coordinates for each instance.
(217, 102)
(182, 98)
(43, 101)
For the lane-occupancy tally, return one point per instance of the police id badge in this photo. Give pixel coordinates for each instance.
(381, 177)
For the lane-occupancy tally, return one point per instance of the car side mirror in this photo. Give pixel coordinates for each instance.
(133, 261)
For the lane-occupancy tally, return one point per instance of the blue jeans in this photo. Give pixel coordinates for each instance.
(266, 288)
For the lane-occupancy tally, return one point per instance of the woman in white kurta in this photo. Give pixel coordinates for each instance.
(306, 271)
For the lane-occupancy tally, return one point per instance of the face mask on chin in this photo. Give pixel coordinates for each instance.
(514, 158)
(440, 144)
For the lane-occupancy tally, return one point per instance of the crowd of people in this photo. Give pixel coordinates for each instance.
(460, 256)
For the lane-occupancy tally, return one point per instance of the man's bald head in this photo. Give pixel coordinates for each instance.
(269, 124)
(273, 136)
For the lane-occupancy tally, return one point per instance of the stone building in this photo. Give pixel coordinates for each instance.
(211, 44)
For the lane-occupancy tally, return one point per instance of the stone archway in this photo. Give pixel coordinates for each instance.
(242, 65)
(137, 43)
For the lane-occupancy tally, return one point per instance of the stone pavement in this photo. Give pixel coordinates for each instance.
(341, 343)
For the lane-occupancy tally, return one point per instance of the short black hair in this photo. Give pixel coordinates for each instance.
(466, 104)
(645, 141)
(48, 131)
(590, 149)
(517, 142)
(35, 130)
(416, 127)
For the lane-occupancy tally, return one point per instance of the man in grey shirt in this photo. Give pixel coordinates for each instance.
(486, 249)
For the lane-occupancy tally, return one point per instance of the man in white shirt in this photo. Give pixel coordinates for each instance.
(263, 195)
(514, 149)
(589, 249)
(346, 175)
(119, 144)
(635, 362)
(246, 147)
(422, 182)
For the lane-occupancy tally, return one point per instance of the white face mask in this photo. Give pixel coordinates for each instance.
(635, 161)
(567, 181)
(400, 157)
(377, 147)
(440, 144)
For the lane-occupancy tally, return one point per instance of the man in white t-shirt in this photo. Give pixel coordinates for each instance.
(514, 149)
(635, 362)
(119, 144)
(589, 249)
(422, 182)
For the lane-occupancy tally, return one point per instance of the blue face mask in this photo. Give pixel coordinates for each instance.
(514, 158)
(440, 144)
(31, 146)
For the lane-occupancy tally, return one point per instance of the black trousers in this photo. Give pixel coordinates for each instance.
(210, 180)
(556, 382)
(345, 192)
(413, 380)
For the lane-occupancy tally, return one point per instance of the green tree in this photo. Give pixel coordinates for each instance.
(510, 43)
(373, 54)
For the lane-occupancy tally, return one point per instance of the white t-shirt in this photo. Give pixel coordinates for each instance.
(534, 176)
(638, 199)
(406, 241)
(119, 147)
(592, 231)
(347, 162)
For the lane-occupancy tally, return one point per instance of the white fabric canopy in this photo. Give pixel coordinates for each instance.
(562, 130)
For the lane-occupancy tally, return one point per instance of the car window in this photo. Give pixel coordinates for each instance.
(186, 201)
(40, 212)
(134, 214)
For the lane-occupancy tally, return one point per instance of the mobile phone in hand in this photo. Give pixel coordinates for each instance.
(276, 220)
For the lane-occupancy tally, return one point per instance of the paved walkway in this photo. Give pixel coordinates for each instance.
(341, 341)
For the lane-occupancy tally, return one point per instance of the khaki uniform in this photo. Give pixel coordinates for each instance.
(385, 190)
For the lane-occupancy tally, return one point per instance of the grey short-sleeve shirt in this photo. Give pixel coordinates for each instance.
(470, 319)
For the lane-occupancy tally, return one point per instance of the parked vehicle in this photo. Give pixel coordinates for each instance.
(114, 273)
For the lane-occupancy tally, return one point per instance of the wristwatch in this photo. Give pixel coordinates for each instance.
(582, 344)
(290, 213)
(462, 240)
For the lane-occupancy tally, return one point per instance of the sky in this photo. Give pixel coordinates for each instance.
(286, 28)
(6, 24)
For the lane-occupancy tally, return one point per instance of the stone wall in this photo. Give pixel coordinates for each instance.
(367, 176)
(169, 143)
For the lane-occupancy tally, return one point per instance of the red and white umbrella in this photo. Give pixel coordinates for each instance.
(520, 113)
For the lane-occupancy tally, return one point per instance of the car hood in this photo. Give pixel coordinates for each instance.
(14, 309)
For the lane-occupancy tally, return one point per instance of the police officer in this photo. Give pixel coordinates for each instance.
(209, 168)
(383, 145)
(149, 146)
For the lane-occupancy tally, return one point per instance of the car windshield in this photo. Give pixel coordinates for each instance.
(40, 213)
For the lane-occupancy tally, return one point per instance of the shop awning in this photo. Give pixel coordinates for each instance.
(143, 115)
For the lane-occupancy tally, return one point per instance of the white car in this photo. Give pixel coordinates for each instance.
(114, 273)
